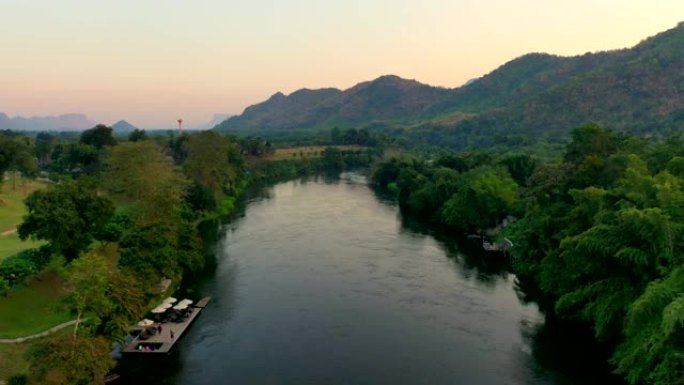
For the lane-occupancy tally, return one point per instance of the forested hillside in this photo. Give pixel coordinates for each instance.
(388, 98)
(534, 97)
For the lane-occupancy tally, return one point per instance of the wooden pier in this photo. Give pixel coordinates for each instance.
(171, 332)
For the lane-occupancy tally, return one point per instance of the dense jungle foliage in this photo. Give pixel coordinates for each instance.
(600, 233)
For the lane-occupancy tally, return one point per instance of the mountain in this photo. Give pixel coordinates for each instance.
(67, 122)
(215, 120)
(122, 127)
(386, 98)
(640, 89)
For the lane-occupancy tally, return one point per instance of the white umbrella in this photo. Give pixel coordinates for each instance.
(169, 300)
(185, 301)
(165, 306)
(180, 307)
(145, 322)
(158, 310)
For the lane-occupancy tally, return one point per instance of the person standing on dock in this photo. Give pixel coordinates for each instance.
(159, 328)
(171, 332)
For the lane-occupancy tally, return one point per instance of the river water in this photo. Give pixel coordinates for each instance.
(322, 282)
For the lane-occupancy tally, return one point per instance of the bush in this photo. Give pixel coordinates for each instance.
(4, 286)
(114, 229)
(39, 257)
(22, 265)
(18, 379)
(227, 206)
(16, 269)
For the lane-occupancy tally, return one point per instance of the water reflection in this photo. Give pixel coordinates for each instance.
(563, 350)
(469, 258)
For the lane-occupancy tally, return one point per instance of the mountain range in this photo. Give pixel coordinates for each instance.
(640, 90)
(67, 122)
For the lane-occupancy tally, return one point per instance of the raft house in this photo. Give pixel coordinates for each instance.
(169, 323)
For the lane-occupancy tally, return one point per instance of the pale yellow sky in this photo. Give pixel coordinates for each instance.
(152, 61)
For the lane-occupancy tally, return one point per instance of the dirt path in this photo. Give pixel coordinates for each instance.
(8, 232)
(43, 334)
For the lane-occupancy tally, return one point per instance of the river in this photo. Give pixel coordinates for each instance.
(322, 282)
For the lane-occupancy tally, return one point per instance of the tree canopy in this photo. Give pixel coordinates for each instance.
(210, 162)
(67, 215)
(98, 136)
(141, 173)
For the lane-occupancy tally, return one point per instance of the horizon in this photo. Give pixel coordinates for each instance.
(143, 64)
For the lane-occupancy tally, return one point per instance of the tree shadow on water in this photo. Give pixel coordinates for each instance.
(569, 351)
(468, 256)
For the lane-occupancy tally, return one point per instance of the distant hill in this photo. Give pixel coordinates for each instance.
(122, 127)
(386, 98)
(640, 90)
(67, 122)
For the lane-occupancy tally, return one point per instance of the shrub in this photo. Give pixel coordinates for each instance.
(18, 379)
(16, 269)
(4, 286)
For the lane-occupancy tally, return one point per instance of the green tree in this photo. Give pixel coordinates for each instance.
(208, 162)
(520, 167)
(333, 159)
(110, 298)
(45, 144)
(335, 135)
(653, 351)
(98, 136)
(486, 196)
(150, 252)
(141, 173)
(66, 215)
(76, 159)
(17, 155)
(63, 359)
(7, 154)
(24, 161)
(591, 139)
(158, 250)
(87, 279)
(137, 135)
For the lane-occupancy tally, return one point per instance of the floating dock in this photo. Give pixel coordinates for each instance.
(161, 343)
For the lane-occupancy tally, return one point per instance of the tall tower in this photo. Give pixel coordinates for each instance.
(180, 126)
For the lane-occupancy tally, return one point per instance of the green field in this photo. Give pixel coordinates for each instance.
(306, 152)
(33, 308)
(12, 211)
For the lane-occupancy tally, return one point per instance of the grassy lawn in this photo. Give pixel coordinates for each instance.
(11, 244)
(306, 152)
(32, 308)
(12, 211)
(12, 202)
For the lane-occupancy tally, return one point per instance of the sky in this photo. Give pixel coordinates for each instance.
(154, 61)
